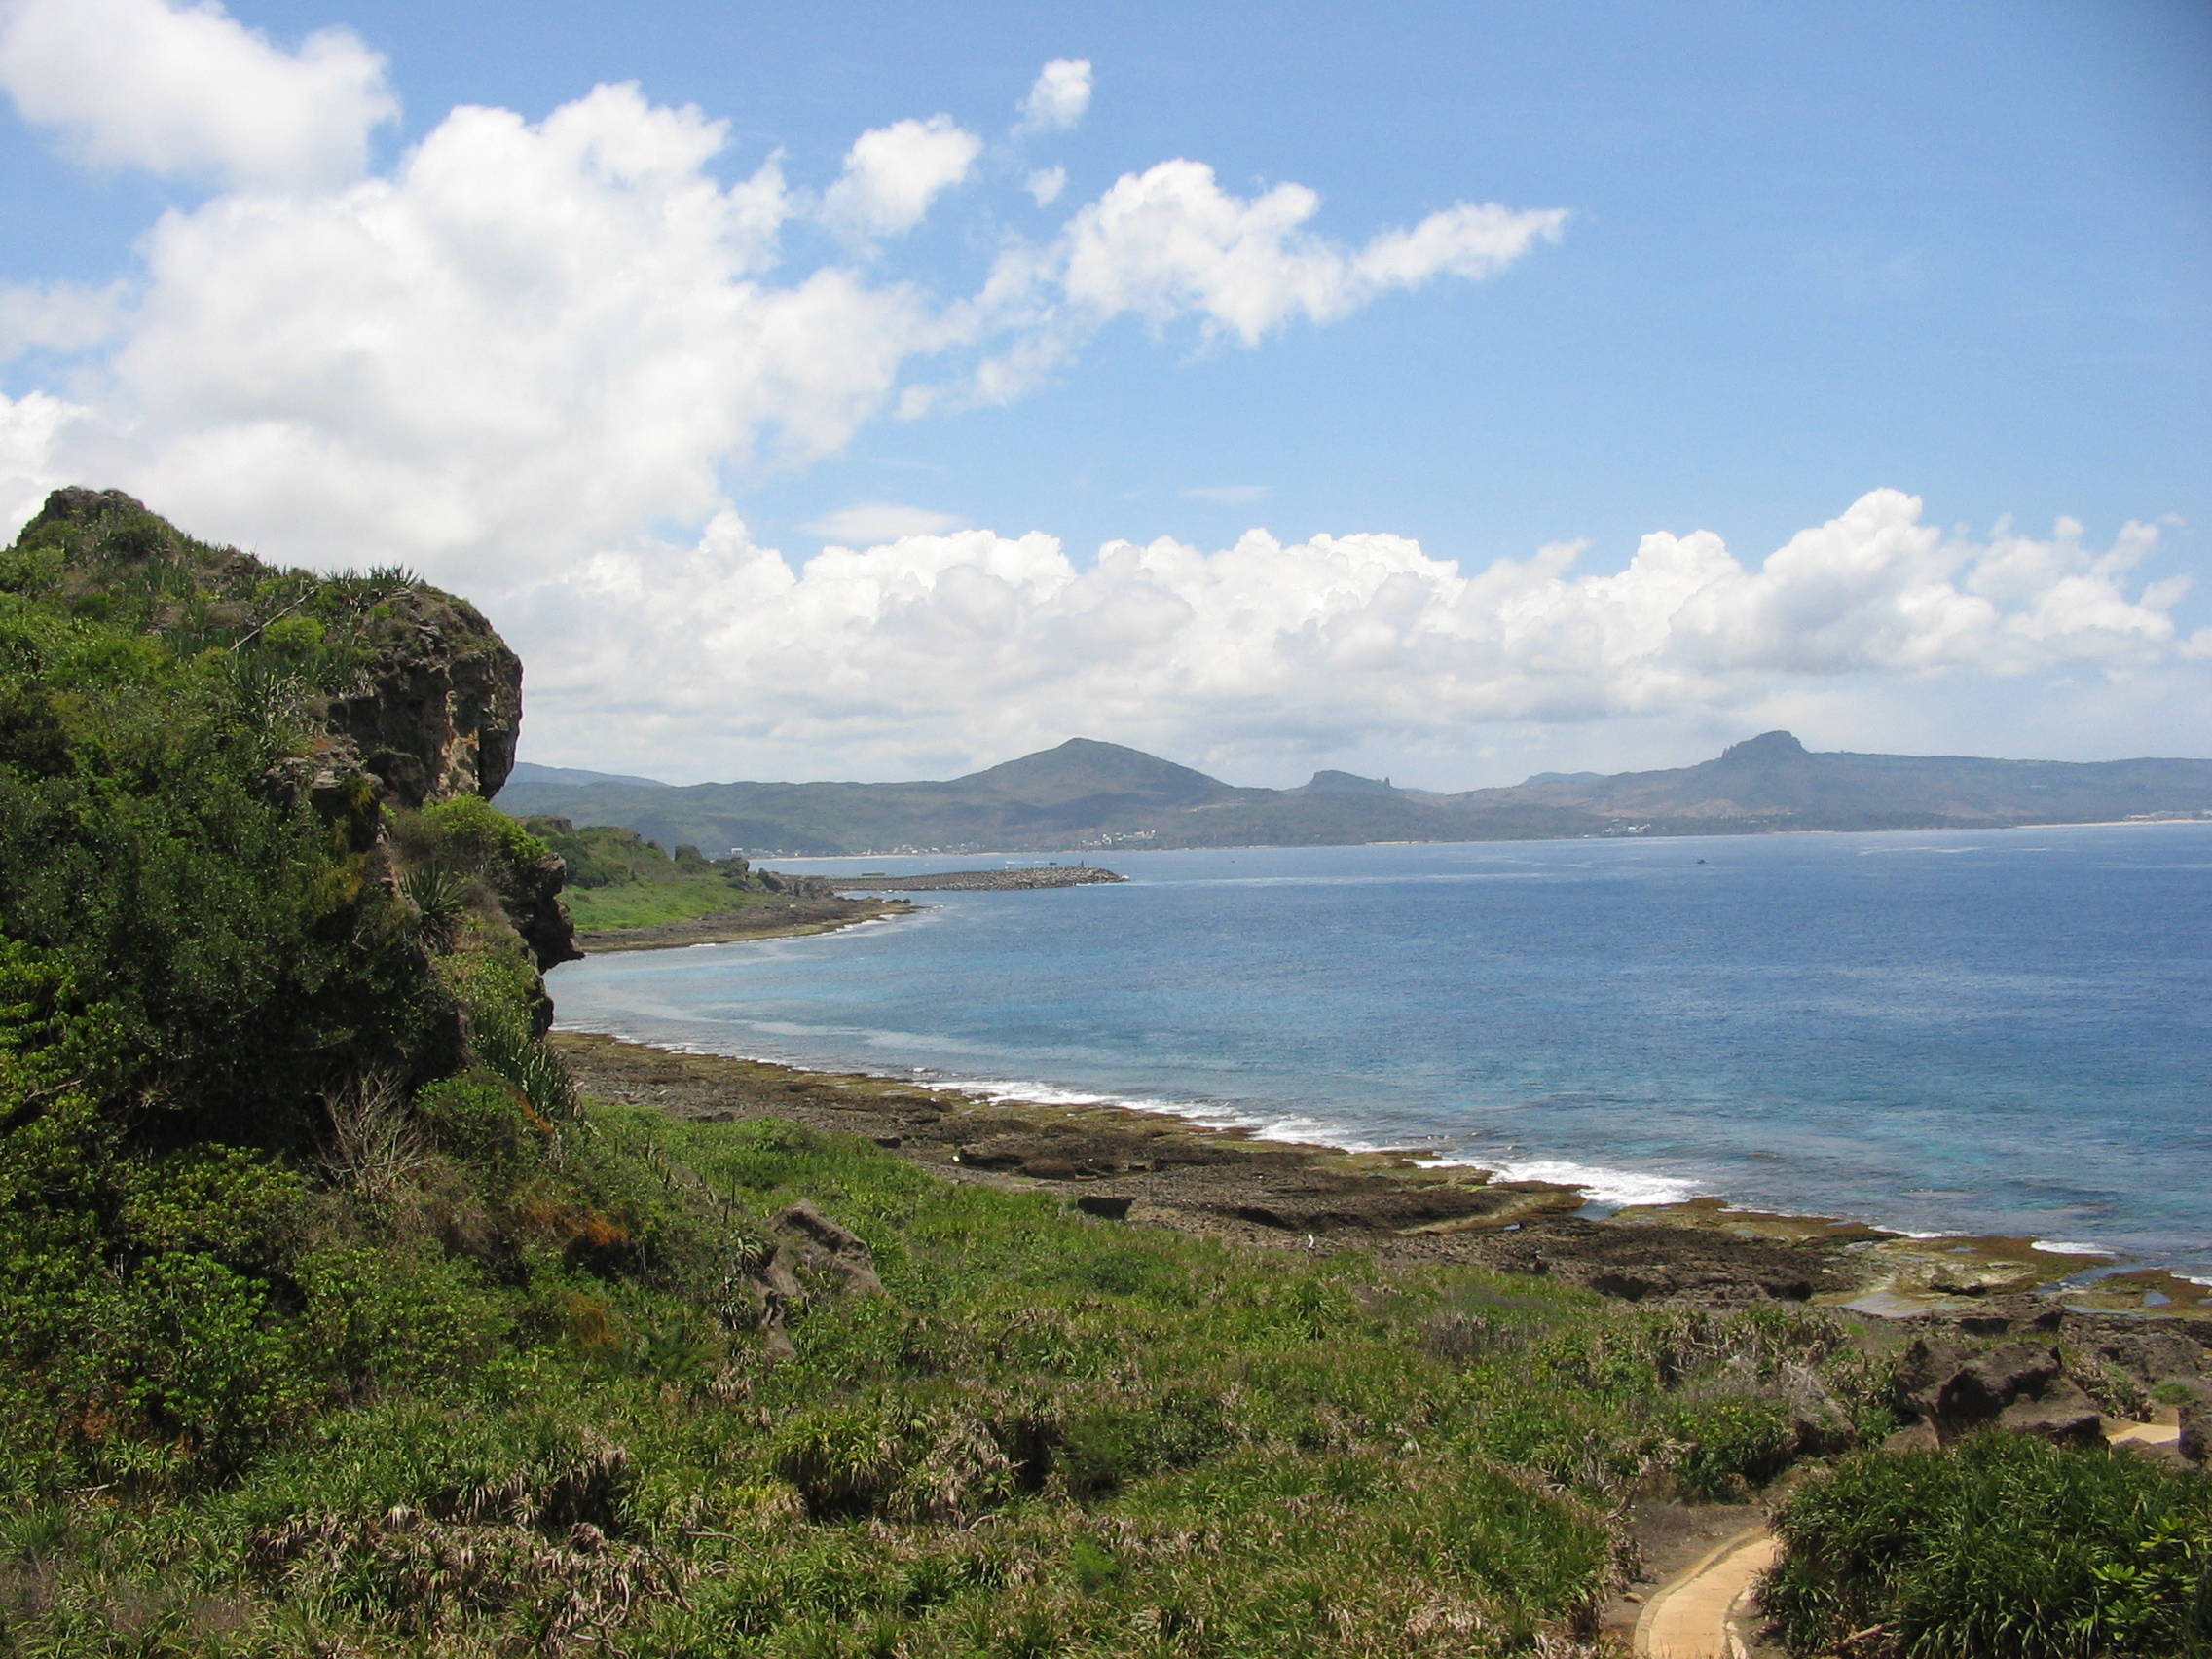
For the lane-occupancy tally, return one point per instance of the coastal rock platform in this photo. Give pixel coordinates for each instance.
(1159, 1170)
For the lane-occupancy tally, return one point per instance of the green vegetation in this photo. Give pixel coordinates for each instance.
(522, 1402)
(332, 1321)
(2007, 1545)
(619, 879)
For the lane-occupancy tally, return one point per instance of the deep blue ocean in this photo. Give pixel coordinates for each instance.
(2005, 1032)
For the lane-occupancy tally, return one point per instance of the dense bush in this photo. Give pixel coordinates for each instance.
(2005, 1545)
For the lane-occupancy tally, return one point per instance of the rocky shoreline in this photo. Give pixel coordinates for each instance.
(1154, 1167)
(2064, 1367)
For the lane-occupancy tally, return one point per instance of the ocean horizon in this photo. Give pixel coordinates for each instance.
(2001, 1031)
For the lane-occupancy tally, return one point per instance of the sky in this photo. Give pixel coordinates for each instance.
(1439, 391)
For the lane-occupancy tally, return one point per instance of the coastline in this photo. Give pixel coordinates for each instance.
(1155, 1167)
(1911, 1261)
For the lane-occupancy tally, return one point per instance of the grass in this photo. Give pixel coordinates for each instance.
(677, 898)
(1050, 1435)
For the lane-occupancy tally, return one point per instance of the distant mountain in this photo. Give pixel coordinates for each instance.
(525, 772)
(1088, 796)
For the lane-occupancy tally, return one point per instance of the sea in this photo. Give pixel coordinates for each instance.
(1987, 1032)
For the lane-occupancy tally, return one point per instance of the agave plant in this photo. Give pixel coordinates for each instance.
(439, 898)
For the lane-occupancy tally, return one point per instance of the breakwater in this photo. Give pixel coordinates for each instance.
(981, 880)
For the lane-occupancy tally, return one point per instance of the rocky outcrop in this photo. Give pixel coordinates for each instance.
(1662, 1264)
(798, 886)
(2016, 1385)
(532, 902)
(825, 1246)
(441, 703)
(437, 700)
(419, 698)
(810, 1249)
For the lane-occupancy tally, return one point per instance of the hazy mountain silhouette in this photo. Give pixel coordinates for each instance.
(1089, 796)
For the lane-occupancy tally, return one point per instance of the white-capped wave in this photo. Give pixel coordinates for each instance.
(2064, 1247)
(1620, 1187)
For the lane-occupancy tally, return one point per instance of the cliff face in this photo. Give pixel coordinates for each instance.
(442, 703)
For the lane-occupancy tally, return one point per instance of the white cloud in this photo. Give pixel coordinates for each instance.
(528, 342)
(1171, 242)
(865, 523)
(1045, 184)
(191, 91)
(893, 173)
(30, 428)
(1060, 97)
(56, 316)
(1353, 645)
(1225, 494)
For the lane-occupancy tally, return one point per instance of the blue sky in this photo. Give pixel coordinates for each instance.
(1918, 294)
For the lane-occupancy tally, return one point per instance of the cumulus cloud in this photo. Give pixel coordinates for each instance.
(1339, 644)
(191, 91)
(30, 431)
(1060, 97)
(527, 342)
(56, 316)
(865, 523)
(1045, 184)
(1170, 242)
(893, 173)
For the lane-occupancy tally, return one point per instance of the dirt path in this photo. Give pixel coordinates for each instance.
(1687, 1617)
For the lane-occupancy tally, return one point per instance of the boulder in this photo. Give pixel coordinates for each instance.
(1956, 1390)
(2153, 1356)
(2060, 1423)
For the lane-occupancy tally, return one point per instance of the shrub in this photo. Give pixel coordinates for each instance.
(468, 832)
(2005, 1545)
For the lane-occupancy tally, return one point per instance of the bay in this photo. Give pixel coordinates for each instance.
(1982, 1032)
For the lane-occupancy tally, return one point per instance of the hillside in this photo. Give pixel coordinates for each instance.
(1088, 796)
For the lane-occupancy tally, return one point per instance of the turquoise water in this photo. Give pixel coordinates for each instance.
(2002, 1032)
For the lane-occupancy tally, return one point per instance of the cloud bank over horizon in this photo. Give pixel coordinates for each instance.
(532, 358)
(1285, 657)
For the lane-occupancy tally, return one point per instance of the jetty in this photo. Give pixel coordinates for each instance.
(981, 880)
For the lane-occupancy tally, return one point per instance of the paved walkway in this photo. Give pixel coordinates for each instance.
(1688, 1618)
(2146, 1434)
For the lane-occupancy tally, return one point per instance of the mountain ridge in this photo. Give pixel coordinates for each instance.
(1086, 795)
